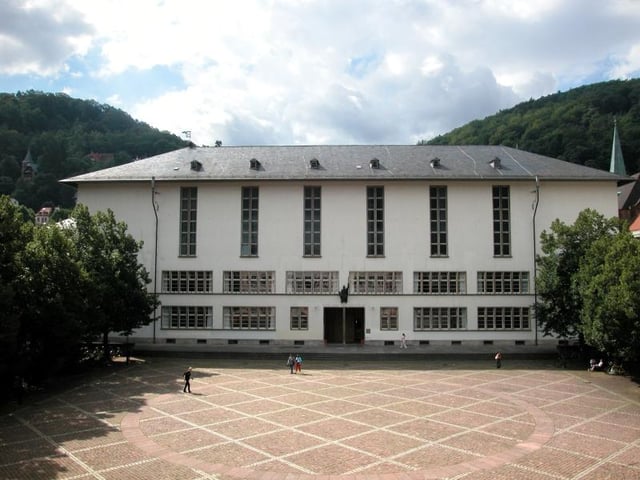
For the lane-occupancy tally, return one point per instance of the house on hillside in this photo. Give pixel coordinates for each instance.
(43, 215)
(100, 157)
(302, 245)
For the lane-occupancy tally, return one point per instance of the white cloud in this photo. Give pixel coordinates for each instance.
(627, 64)
(362, 71)
(38, 37)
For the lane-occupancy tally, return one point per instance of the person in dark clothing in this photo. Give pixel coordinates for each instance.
(187, 380)
(291, 362)
(498, 360)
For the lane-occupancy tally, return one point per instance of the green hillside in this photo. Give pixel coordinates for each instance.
(576, 125)
(60, 133)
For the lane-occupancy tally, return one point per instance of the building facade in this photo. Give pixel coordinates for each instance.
(344, 244)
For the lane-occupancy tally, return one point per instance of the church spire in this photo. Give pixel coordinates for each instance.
(617, 162)
(28, 167)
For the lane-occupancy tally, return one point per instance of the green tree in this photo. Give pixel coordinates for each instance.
(14, 234)
(119, 300)
(563, 247)
(609, 281)
(52, 301)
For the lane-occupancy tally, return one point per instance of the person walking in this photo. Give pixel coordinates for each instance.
(298, 362)
(403, 341)
(187, 380)
(498, 359)
(291, 362)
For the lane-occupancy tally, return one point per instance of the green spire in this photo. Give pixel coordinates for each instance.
(617, 162)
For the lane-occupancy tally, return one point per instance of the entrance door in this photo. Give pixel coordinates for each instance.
(343, 325)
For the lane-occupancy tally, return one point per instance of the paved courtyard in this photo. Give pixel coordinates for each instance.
(344, 419)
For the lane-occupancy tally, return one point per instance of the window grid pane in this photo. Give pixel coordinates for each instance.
(438, 220)
(187, 317)
(241, 281)
(503, 282)
(375, 221)
(501, 222)
(503, 318)
(388, 318)
(375, 282)
(188, 217)
(313, 282)
(438, 283)
(177, 281)
(311, 221)
(249, 235)
(439, 318)
(299, 318)
(249, 318)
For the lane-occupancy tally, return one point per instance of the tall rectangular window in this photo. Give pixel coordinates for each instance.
(501, 222)
(388, 318)
(375, 221)
(188, 218)
(311, 221)
(438, 220)
(299, 318)
(249, 240)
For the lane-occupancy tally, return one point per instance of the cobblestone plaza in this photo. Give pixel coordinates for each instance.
(252, 419)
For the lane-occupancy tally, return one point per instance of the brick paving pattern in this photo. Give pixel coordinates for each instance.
(352, 420)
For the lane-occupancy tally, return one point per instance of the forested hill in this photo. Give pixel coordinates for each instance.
(67, 136)
(576, 125)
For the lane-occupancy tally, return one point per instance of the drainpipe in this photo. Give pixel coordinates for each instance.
(535, 267)
(155, 255)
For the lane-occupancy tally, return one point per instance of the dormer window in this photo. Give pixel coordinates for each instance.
(374, 163)
(435, 162)
(254, 164)
(495, 163)
(314, 163)
(196, 166)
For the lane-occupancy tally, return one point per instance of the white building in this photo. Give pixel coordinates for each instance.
(253, 244)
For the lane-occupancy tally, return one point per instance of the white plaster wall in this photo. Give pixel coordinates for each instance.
(344, 244)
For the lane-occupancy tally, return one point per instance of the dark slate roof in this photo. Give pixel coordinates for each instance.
(629, 194)
(396, 162)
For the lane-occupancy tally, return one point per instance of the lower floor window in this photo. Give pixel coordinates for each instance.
(388, 318)
(503, 318)
(439, 318)
(249, 318)
(188, 317)
(299, 318)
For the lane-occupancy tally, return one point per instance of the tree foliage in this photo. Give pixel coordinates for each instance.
(61, 287)
(609, 280)
(60, 132)
(563, 247)
(52, 300)
(588, 281)
(576, 126)
(119, 300)
(14, 234)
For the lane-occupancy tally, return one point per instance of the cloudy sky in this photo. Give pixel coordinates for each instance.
(255, 72)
